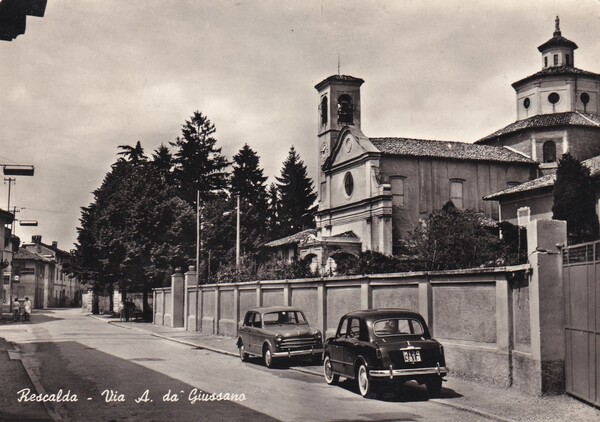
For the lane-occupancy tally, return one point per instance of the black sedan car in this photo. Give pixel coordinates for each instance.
(384, 346)
(276, 332)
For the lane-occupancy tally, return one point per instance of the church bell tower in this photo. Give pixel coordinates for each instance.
(339, 106)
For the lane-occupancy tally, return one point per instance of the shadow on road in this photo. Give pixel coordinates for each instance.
(409, 392)
(37, 317)
(107, 388)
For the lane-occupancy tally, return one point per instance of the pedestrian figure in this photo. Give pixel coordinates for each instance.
(121, 311)
(15, 308)
(27, 306)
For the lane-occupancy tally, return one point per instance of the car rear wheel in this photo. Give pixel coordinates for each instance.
(330, 377)
(434, 386)
(366, 386)
(268, 356)
(243, 354)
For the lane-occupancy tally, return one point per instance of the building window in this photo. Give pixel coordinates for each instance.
(553, 98)
(556, 60)
(323, 190)
(568, 59)
(523, 216)
(324, 111)
(549, 152)
(348, 184)
(546, 61)
(345, 109)
(397, 191)
(456, 194)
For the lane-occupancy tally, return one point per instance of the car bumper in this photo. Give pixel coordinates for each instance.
(290, 353)
(396, 373)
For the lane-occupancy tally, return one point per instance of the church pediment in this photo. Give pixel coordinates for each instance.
(350, 145)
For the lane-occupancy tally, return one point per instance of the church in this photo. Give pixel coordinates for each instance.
(372, 192)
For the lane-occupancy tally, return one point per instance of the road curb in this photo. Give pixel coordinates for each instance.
(299, 369)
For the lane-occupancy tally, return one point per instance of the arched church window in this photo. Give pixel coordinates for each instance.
(545, 61)
(345, 109)
(348, 184)
(549, 152)
(324, 111)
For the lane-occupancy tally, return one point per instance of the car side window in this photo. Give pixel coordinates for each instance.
(248, 319)
(343, 328)
(354, 331)
(256, 320)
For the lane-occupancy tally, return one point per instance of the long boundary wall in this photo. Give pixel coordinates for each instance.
(489, 320)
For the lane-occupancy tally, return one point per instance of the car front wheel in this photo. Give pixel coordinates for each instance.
(243, 354)
(365, 385)
(330, 377)
(268, 356)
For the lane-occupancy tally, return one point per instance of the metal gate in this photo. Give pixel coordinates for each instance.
(581, 278)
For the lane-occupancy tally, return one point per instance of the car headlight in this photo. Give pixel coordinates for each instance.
(318, 335)
(278, 338)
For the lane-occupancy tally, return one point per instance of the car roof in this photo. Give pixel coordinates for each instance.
(265, 309)
(384, 313)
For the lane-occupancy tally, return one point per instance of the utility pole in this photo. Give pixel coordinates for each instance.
(198, 246)
(10, 181)
(237, 236)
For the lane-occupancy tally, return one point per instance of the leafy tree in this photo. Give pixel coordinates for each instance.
(199, 165)
(273, 224)
(134, 154)
(372, 262)
(574, 200)
(163, 161)
(135, 231)
(451, 238)
(295, 193)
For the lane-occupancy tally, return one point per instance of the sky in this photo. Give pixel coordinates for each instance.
(95, 74)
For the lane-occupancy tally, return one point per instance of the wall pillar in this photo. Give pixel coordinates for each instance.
(322, 308)
(236, 308)
(366, 299)
(177, 298)
(504, 320)
(191, 280)
(258, 294)
(546, 303)
(426, 302)
(217, 309)
(286, 294)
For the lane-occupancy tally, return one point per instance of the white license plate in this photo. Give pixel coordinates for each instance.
(411, 355)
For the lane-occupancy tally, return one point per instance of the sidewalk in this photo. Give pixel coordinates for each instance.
(492, 403)
(15, 378)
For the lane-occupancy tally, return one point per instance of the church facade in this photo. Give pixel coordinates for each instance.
(372, 192)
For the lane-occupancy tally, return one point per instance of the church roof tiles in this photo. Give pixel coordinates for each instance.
(556, 71)
(446, 149)
(546, 120)
(545, 181)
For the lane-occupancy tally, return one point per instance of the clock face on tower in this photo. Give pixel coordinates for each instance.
(324, 151)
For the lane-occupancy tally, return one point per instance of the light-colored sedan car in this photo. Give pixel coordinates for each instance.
(278, 332)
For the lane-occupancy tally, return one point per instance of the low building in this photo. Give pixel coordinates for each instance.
(6, 242)
(40, 274)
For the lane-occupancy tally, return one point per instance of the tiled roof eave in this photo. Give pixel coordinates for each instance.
(523, 125)
(525, 161)
(575, 73)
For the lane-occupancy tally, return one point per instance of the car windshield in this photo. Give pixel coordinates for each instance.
(398, 327)
(284, 317)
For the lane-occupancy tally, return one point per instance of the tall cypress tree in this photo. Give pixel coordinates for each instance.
(574, 200)
(199, 165)
(295, 192)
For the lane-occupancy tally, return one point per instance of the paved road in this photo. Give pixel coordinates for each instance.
(101, 364)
